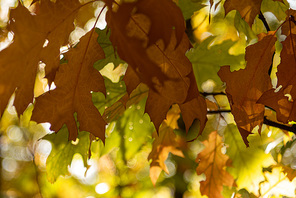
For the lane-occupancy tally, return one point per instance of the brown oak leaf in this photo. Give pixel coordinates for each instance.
(291, 173)
(212, 162)
(172, 68)
(283, 100)
(167, 142)
(246, 86)
(74, 82)
(248, 9)
(153, 44)
(289, 26)
(37, 37)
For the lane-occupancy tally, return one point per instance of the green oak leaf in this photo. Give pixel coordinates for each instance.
(63, 151)
(130, 132)
(206, 59)
(188, 7)
(277, 8)
(110, 55)
(114, 91)
(247, 162)
(243, 27)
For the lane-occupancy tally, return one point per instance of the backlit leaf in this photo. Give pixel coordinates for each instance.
(247, 162)
(212, 162)
(282, 100)
(37, 37)
(206, 59)
(188, 7)
(277, 184)
(246, 86)
(166, 142)
(110, 55)
(63, 151)
(74, 83)
(248, 9)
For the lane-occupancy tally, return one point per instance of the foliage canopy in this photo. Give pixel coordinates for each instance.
(211, 82)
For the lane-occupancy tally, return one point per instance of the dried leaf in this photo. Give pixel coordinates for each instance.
(245, 87)
(212, 162)
(157, 43)
(74, 83)
(167, 142)
(283, 99)
(37, 38)
(248, 9)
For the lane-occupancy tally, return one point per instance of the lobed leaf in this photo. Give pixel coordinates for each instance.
(167, 142)
(246, 86)
(247, 163)
(74, 83)
(212, 162)
(63, 151)
(37, 37)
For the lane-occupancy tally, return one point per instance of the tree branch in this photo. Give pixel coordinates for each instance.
(212, 94)
(219, 111)
(280, 126)
(265, 121)
(262, 18)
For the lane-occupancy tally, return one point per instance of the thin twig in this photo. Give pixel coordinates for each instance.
(212, 94)
(219, 111)
(266, 121)
(262, 18)
(280, 126)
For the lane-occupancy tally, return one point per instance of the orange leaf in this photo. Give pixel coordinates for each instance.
(212, 162)
(248, 9)
(245, 87)
(37, 38)
(74, 83)
(291, 173)
(167, 142)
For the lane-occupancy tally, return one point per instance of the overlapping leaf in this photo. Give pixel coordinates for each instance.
(277, 184)
(207, 59)
(246, 162)
(213, 163)
(110, 54)
(158, 43)
(188, 7)
(63, 151)
(246, 86)
(248, 9)
(283, 99)
(74, 83)
(167, 142)
(130, 132)
(37, 37)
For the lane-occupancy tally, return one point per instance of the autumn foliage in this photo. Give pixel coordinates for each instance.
(150, 37)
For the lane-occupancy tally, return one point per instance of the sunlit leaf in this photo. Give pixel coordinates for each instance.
(63, 151)
(213, 163)
(247, 162)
